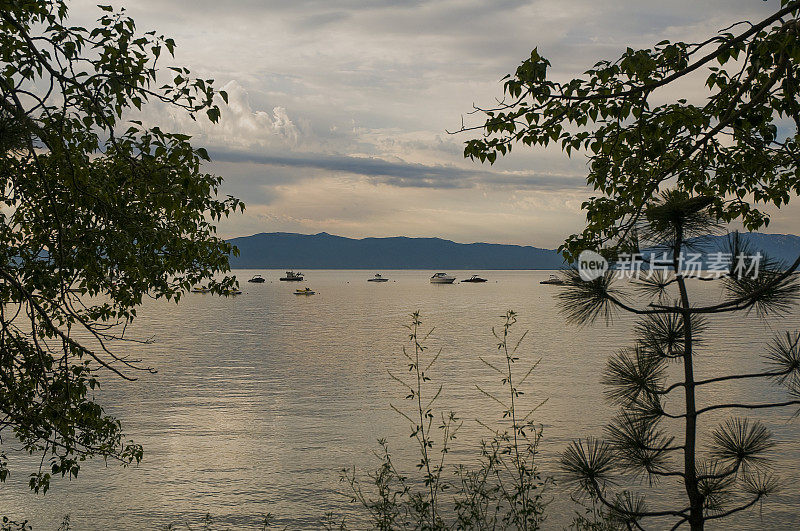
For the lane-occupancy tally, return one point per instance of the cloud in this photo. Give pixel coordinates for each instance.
(338, 109)
(405, 174)
(245, 135)
(348, 204)
(239, 126)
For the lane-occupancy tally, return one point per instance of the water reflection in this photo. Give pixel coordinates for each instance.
(261, 398)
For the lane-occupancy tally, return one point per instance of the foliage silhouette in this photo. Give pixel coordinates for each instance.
(649, 439)
(737, 148)
(96, 212)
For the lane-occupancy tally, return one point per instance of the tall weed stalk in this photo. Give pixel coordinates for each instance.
(503, 489)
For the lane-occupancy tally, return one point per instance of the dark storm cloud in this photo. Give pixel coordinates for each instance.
(406, 174)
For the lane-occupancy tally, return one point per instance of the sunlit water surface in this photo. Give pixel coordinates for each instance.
(261, 399)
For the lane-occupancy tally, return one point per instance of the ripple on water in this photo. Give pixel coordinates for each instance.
(261, 399)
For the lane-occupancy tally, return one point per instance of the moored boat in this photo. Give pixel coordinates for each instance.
(291, 276)
(442, 278)
(377, 278)
(200, 289)
(305, 291)
(474, 278)
(257, 279)
(553, 280)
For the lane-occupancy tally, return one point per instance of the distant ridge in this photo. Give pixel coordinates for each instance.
(783, 247)
(286, 250)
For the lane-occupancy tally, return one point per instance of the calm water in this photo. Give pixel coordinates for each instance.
(261, 399)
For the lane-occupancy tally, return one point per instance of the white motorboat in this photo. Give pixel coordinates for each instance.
(553, 280)
(442, 278)
(377, 278)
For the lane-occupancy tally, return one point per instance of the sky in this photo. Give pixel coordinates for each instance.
(339, 110)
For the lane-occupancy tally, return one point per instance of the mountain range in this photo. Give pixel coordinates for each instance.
(285, 250)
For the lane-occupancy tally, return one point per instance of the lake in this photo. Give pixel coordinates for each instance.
(261, 399)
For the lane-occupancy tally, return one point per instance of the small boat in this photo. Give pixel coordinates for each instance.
(306, 291)
(474, 278)
(291, 276)
(233, 292)
(553, 280)
(442, 278)
(200, 289)
(377, 278)
(257, 279)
